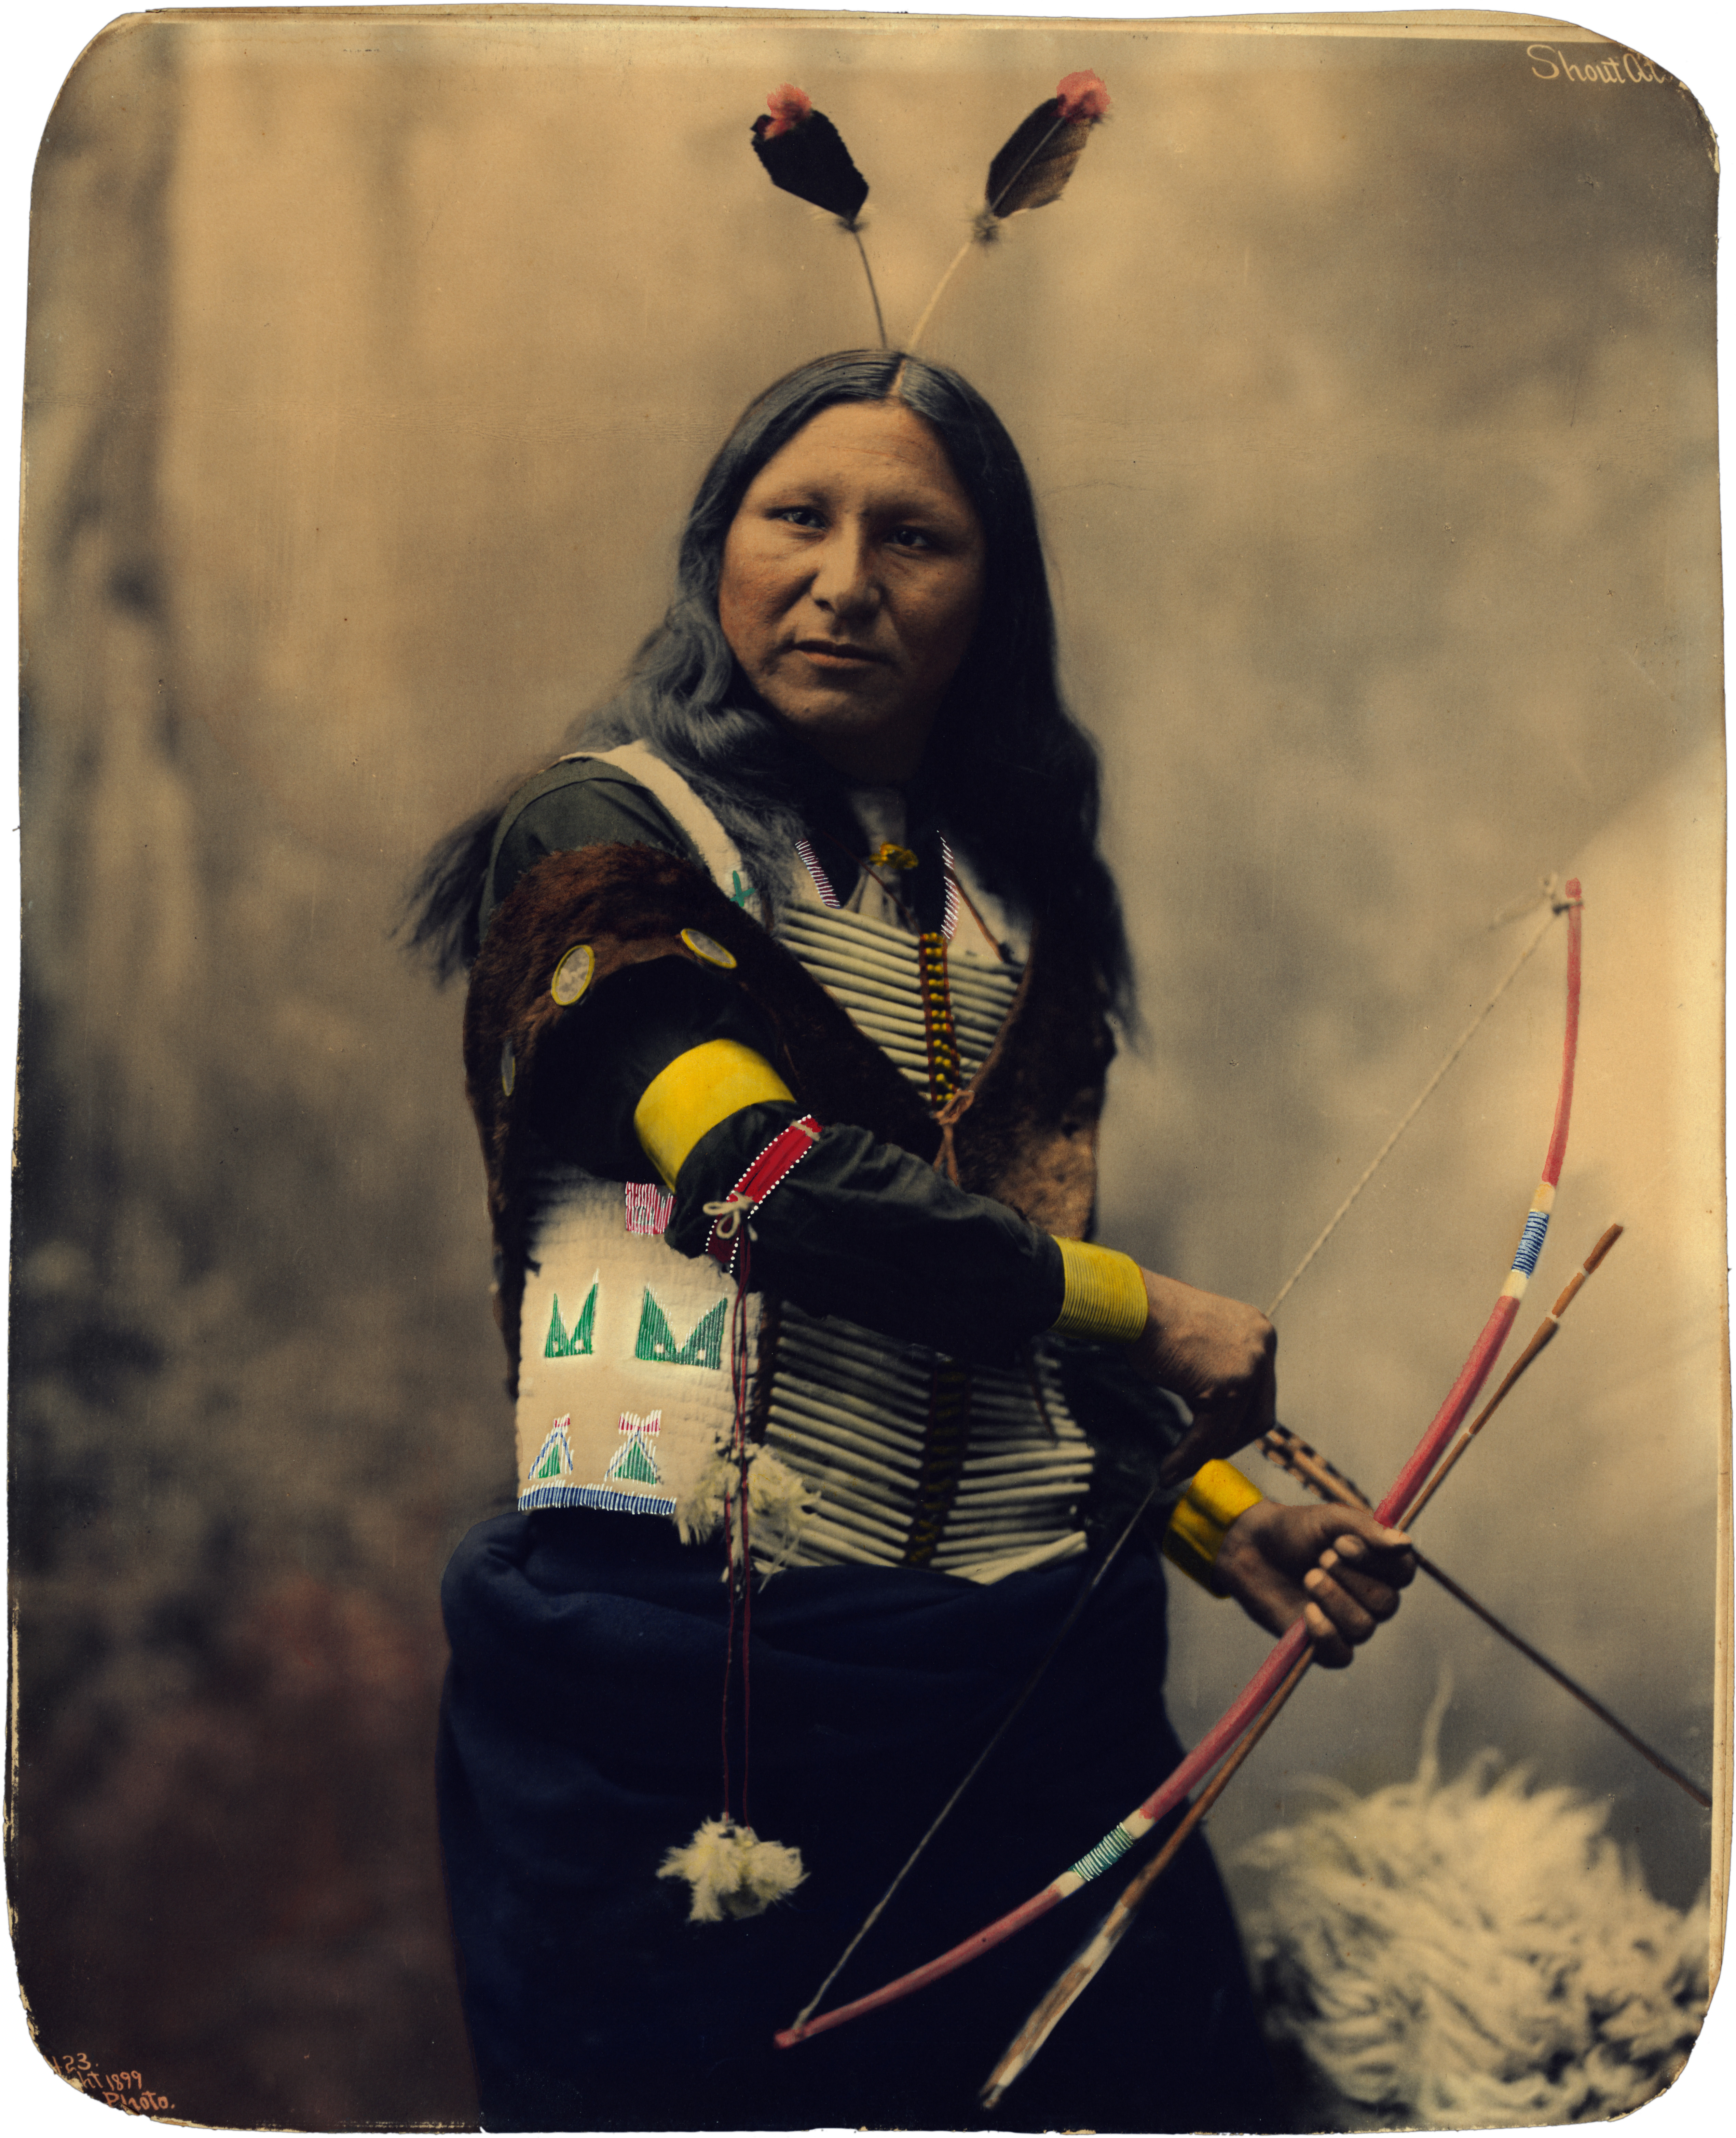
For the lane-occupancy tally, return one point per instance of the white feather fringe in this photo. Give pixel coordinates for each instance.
(732, 1871)
(777, 1501)
(1472, 1954)
(699, 1510)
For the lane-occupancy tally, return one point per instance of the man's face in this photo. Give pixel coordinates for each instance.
(851, 583)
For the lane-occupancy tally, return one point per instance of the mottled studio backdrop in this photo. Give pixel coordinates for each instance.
(1366, 385)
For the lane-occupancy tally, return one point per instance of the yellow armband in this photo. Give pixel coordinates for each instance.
(698, 1090)
(1217, 1495)
(1105, 1296)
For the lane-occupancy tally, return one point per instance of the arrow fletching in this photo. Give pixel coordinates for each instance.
(804, 153)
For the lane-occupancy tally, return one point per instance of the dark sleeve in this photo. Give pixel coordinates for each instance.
(858, 1228)
(570, 806)
(593, 1067)
(862, 1229)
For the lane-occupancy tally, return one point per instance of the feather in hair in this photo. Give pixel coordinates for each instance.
(1029, 168)
(804, 153)
(1035, 162)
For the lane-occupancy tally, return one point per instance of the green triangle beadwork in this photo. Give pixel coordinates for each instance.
(656, 1340)
(555, 1459)
(634, 1462)
(579, 1343)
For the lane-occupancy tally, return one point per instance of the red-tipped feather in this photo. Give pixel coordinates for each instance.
(804, 153)
(1037, 159)
(1082, 96)
(788, 107)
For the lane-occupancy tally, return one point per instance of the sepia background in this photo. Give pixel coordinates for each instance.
(1366, 385)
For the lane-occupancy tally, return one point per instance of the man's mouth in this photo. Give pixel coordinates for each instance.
(839, 652)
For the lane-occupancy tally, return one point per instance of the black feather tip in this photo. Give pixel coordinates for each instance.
(807, 158)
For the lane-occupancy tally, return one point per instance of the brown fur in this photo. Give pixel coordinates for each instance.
(1028, 1137)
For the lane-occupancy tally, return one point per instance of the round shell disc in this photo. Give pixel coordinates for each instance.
(572, 976)
(702, 946)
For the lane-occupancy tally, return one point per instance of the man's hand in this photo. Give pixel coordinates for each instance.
(1336, 1567)
(1219, 1357)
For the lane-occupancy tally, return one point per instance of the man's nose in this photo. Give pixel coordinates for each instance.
(843, 579)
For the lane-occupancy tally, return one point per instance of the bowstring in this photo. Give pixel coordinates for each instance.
(981, 1760)
(1416, 1105)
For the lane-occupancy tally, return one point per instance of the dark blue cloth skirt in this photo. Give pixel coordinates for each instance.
(580, 1739)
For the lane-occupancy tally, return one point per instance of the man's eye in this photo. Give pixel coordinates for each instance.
(798, 515)
(912, 538)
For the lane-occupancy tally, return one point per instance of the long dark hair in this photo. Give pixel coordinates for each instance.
(1012, 777)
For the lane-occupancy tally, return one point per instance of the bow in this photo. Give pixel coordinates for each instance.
(1288, 1660)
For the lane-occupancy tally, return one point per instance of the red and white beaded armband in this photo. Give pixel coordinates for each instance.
(774, 1164)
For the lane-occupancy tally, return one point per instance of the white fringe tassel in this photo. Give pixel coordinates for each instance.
(732, 1871)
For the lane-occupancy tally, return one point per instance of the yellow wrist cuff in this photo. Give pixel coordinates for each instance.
(698, 1090)
(1217, 1495)
(1105, 1296)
